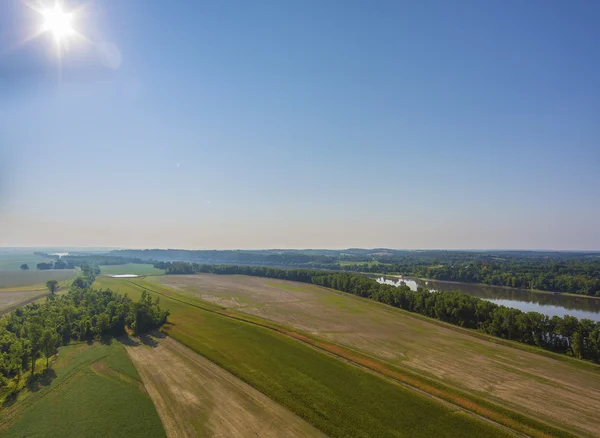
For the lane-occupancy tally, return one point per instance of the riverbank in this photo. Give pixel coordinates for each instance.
(537, 291)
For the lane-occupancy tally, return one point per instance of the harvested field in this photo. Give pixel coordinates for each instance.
(9, 299)
(194, 397)
(562, 392)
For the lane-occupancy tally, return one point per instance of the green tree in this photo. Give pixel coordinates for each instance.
(24, 267)
(34, 335)
(48, 343)
(15, 359)
(52, 285)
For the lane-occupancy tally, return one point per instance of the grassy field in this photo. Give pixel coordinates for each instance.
(91, 391)
(340, 399)
(554, 389)
(195, 397)
(131, 268)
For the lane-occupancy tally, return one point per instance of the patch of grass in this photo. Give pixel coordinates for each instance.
(131, 268)
(91, 395)
(340, 399)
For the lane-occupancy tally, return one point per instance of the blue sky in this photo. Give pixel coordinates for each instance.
(432, 124)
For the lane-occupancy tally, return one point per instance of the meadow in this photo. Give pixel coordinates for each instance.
(552, 388)
(130, 268)
(93, 390)
(337, 397)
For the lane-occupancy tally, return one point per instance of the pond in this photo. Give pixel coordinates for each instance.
(525, 300)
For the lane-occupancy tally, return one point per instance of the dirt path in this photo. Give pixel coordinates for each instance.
(195, 397)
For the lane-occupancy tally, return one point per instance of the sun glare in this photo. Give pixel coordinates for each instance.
(58, 22)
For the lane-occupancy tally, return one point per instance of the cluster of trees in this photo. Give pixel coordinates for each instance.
(83, 313)
(57, 264)
(567, 335)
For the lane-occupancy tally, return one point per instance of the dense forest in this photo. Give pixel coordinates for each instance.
(577, 273)
(567, 335)
(83, 313)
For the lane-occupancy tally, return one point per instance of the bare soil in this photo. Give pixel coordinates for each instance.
(195, 397)
(10, 299)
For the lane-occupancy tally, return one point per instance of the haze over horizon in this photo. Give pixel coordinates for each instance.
(238, 125)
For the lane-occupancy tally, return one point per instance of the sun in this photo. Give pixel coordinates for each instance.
(58, 22)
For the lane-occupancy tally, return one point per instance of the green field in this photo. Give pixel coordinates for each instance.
(340, 399)
(130, 268)
(96, 392)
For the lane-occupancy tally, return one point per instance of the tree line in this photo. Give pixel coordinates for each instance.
(567, 335)
(82, 314)
(572, 276)
(58, 264)
(577, 273)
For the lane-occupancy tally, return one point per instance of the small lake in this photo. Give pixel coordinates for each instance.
(525, 300)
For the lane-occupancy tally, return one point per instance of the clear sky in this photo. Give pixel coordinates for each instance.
(297, 124)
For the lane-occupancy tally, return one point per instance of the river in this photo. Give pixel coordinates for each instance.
(525, 300)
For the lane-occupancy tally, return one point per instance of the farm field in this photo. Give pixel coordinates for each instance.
(194, 397)
(33, 278)
(340, 399)
(12, 298)
(130, 268)
(96, 392)
(562, 392)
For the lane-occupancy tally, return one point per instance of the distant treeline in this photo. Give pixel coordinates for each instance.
(242, 257)
(573, 276)
(78, 260)
(577, 273)
(58, 264)
(82, 313)
(567, 335)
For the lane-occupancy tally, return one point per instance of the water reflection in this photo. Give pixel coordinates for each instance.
(527, 301)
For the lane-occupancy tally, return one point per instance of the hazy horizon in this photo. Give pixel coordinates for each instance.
(239, 125)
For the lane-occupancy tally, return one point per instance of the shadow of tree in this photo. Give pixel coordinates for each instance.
(128, 341)
(10, 399)
(148, 340)
(106, 340)
(39, 381)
